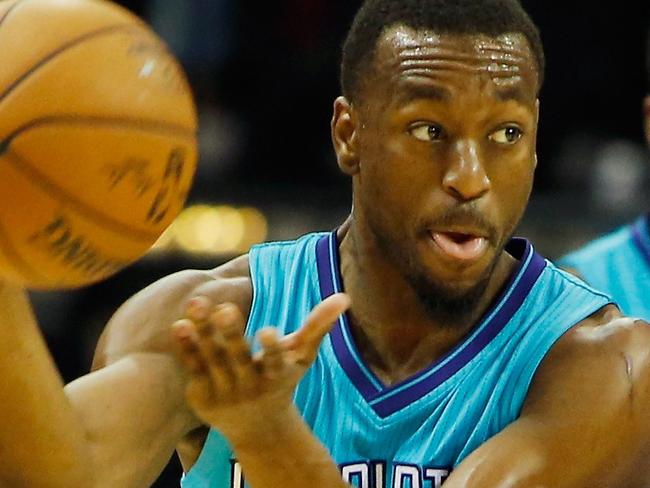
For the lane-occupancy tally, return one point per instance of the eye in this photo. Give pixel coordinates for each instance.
(427, 132)
(507, 135)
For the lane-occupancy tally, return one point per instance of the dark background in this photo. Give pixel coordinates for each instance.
(265, 75)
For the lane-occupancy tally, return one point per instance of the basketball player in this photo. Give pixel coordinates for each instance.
(619, 263)
(464, 349)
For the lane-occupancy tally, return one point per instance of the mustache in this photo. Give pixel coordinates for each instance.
(466, 217)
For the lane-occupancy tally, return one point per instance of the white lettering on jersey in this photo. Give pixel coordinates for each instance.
(236, 475)
(404, 472)
(358, 471)
(372, 474)
(379, 474)
(436, 475)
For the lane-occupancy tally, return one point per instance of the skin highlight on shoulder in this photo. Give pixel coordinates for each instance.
(586, 410)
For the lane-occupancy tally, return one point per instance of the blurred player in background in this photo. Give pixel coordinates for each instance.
(619, 263)
(464, 350)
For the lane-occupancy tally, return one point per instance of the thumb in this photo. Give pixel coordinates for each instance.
(305, 341)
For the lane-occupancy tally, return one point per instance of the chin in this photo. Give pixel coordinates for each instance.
(450, 303)
(445, 285)
(454, 289)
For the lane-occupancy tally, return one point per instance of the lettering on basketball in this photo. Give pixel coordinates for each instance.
(372, 474)
(133, 172)
(60, 240)
(170, 191)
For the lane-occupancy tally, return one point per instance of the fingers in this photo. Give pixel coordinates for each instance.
(213, 348)
(272, 358)
(186, 340)
(199, 390)
(198, 309)
(229, 324)
(212, 344)
(214, 351)
(319, 322)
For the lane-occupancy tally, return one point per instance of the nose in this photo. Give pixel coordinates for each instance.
(465, 178)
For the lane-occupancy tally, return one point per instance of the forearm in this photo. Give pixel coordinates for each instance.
(526, 455)
(284, 453)
(42, 443)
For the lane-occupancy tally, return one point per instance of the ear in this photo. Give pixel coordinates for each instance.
(536, 127)
(646, 118)
(344, 136)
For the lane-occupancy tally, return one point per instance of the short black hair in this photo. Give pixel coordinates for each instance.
(489, 17)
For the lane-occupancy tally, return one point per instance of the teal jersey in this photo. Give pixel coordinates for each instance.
(619, 264)
(410, 434)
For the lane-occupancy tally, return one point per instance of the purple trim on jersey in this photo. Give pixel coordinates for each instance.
(323, 263)
(341, 350)
(641, 235)
(388, 400)
(466, 351)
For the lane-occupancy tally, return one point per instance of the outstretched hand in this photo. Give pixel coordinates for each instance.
(232, 389)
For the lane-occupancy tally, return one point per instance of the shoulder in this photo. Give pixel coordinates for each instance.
(604, 359)
(605, 332)
(593, 390)
(585, 419)
(142, 323)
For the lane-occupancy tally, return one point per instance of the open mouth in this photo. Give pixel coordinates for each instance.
(460, 246)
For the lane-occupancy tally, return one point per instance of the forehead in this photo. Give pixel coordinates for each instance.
(410, 58)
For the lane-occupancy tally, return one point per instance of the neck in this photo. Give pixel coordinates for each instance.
(395, 334)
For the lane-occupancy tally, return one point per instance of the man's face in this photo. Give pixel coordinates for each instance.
(445, 142)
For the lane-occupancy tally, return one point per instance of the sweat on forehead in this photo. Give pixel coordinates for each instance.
(491, 18)
(403, 52)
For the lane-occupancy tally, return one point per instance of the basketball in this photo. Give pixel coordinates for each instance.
(98, 141)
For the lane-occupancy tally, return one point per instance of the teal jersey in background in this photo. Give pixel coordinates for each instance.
(619, 264)
(411, 434)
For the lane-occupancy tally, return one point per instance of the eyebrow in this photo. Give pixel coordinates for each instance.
(512, 93)
(411, 92)
(415, 91)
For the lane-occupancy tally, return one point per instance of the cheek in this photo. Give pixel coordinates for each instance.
(395, 180)
(512, 184)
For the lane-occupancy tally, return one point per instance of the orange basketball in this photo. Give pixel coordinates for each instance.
(97, 140)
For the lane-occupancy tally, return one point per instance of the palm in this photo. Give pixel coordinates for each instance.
(231, 389)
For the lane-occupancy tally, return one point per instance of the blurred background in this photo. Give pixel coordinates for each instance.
(265, 75)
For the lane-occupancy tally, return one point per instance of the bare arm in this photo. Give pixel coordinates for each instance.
(134, 415)
(286, 454)
(117, 426)
(585, 419)
(133, 405)
(41, 436)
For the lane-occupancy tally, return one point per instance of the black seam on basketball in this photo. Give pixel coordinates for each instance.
(61, 49)
(9, 10)
(17, 261)
(86, 120)
(64, 196)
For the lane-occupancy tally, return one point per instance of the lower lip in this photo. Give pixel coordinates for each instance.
(469, 250)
